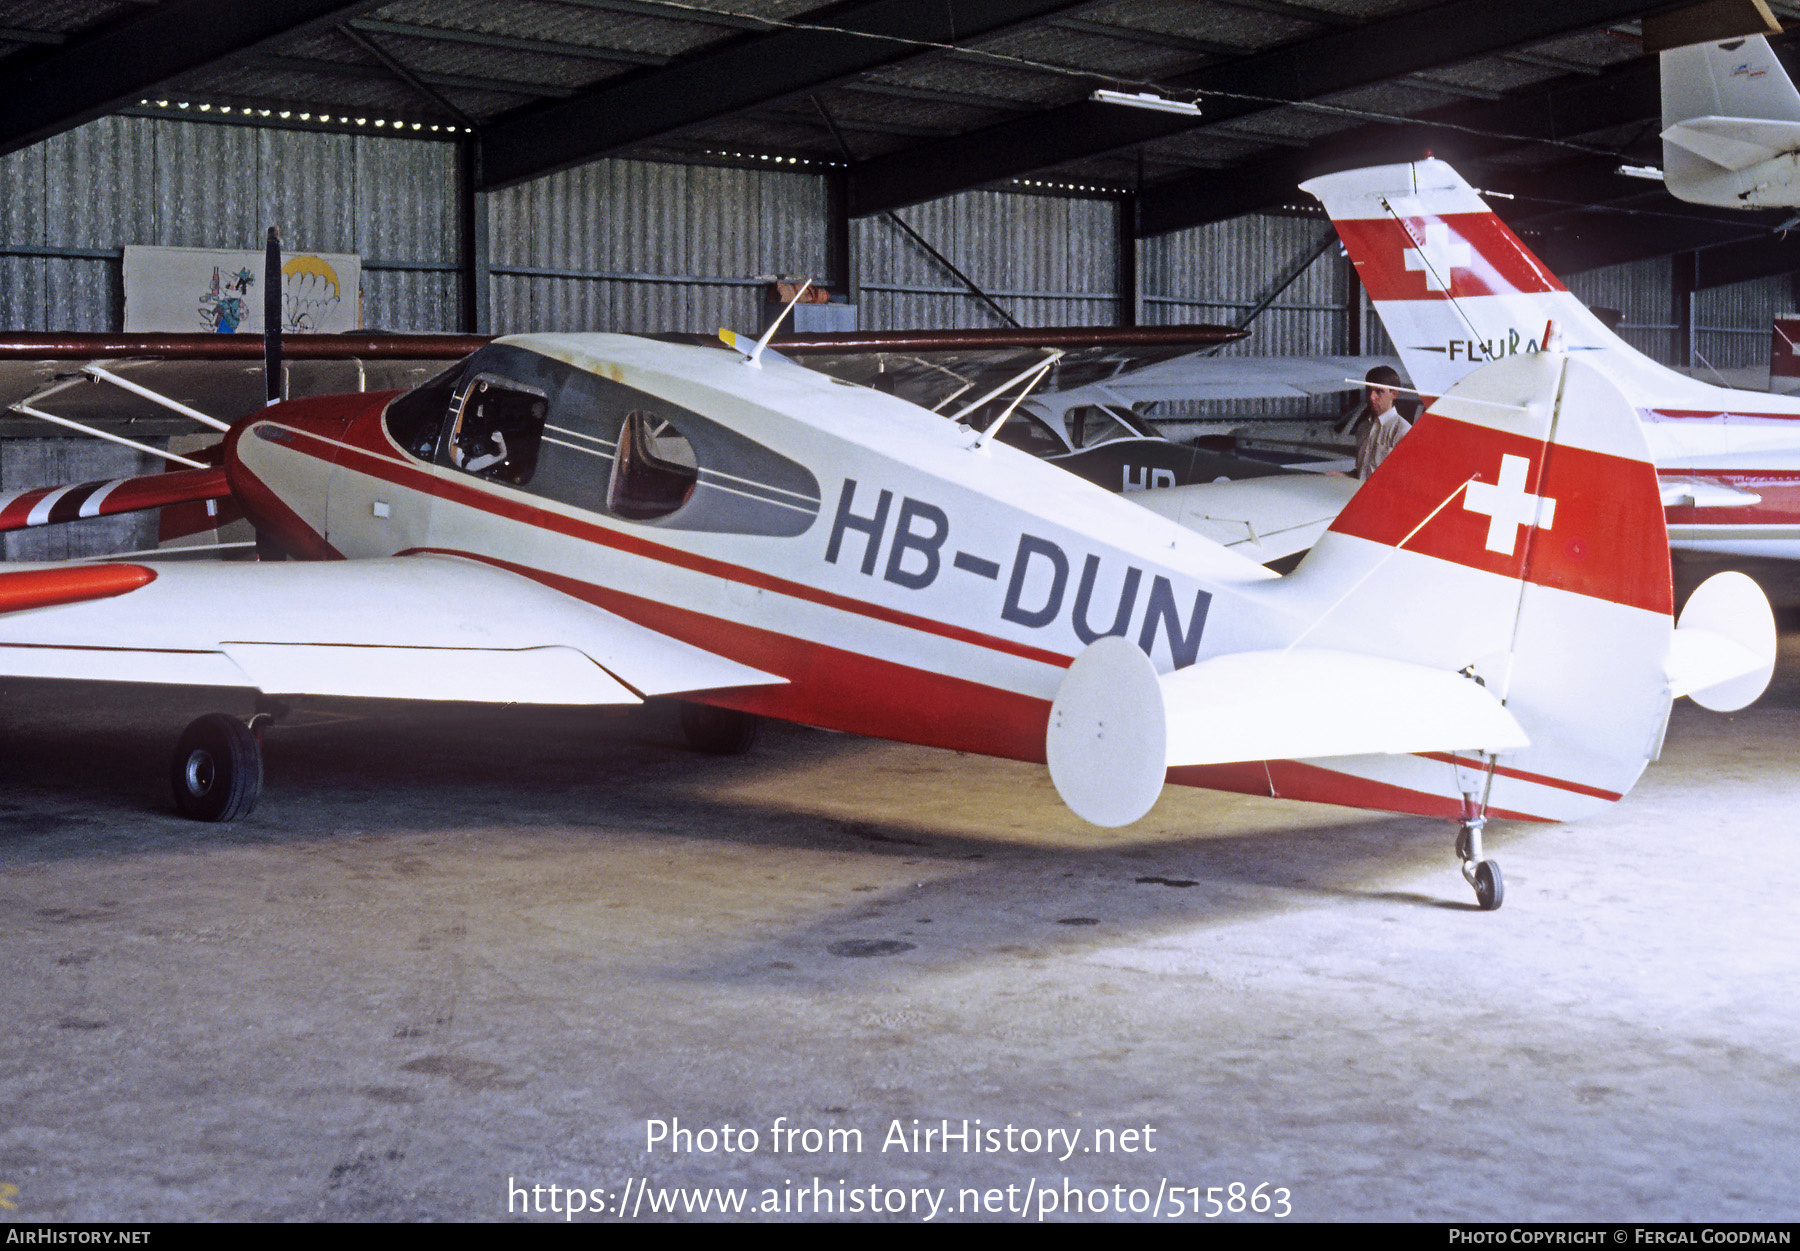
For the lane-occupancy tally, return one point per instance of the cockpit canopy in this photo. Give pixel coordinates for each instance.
(512, 416)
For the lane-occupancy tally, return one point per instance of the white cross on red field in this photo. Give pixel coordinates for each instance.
(1438, 255)
(1508, 505)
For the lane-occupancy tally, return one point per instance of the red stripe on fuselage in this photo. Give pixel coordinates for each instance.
(1561, 784)
(1595, 544)
(1474, 253)
(456, 490)
(830, 686)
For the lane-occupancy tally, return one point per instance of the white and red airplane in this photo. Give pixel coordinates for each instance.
(591, 519)
(1456, 288)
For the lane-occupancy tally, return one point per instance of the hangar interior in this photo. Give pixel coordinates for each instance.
(649, 166)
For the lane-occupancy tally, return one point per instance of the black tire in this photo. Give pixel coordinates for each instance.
(1490, 886)
(719, 731)
(216, 773)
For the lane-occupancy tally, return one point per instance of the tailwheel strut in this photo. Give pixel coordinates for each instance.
(1483, 875)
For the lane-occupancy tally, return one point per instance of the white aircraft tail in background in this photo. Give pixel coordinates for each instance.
(1731, 126)
(1456, 288)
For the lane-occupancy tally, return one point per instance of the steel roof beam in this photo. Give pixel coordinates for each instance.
(1307, 69)
(93, 74)
(817, 49)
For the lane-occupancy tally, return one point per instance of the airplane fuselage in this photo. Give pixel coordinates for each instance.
(964, 579)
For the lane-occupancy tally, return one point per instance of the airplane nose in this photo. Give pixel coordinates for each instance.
(279, 459)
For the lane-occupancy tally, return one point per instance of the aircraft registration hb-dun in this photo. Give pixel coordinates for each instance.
(1456, 288)
(599, 519)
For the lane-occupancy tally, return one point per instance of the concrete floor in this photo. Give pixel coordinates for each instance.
(459, 948)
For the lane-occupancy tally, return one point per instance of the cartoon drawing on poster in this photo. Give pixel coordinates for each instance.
(221, 292)
(224, 307)
(310, 294)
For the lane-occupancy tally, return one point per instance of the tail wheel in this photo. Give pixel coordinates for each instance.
(719, 731)
(1490, 886)
(216, 773)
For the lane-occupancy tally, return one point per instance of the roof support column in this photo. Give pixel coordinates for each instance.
(472, 264)
(1681, 298)
(1125, 240)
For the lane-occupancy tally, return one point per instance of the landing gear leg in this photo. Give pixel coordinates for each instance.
(1483, 875)
(216, 772)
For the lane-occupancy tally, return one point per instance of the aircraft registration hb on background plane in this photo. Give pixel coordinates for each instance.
(1456, 288)
(601, 519)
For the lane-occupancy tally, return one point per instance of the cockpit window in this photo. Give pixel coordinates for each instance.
(1027, 432)
(1095, 424)
(416, 419)
(654, 471)
(497, 429)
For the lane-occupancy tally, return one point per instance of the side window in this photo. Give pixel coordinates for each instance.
(654, 471)
(497, 429)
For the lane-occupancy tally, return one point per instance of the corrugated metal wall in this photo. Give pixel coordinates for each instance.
(1046, 261)
(1640, 291)
(641, 246)
(133, 180)
(136, 180)
(1732, 325)
(1220, 272)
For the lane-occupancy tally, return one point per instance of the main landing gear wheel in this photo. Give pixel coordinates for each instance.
(1483, 875)
(217, 769)
(719, 731)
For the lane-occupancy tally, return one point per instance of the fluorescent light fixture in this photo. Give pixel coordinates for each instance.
(1649, 172)
(1147, 100)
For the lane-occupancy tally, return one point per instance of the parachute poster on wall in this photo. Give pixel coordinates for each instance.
(217, 291)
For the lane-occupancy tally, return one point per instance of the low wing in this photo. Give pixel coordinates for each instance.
(420, 627)
(1263, 518)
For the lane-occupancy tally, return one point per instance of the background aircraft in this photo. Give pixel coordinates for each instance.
(1455, 287)
(1731, 125)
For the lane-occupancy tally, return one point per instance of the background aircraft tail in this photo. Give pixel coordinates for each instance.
(1727, 108)
(1456, 288)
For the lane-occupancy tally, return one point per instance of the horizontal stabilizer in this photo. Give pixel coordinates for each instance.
(1735, 142)
(1117, 726)
(1722, 654)
(1308, 702)
(1698, 493)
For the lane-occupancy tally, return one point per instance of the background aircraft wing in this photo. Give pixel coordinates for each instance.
(42, 506)
(1263, 518)
(415, 627)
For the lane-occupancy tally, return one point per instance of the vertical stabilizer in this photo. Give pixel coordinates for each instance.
(1456, 288)
(1515, 535)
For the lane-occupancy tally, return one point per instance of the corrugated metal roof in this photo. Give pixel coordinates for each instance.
(488, 64)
